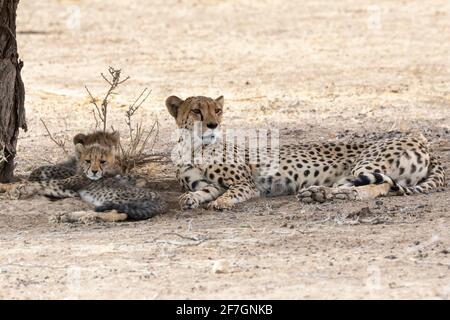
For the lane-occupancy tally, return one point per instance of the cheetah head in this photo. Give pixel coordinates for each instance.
(96, 153)
(198, 110)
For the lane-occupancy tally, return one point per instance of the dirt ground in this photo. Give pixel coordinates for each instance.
(316, 70)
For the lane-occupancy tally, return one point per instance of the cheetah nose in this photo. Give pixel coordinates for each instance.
(212, 125)
(94, 172)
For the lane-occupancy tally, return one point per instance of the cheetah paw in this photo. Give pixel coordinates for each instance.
(220, 204)
(87, 217)
(12, 191)
(84, 217)
(188, 201)
(322, 194)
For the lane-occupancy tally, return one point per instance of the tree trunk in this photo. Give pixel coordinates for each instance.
(12, 92)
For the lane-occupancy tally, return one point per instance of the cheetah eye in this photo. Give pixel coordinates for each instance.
(218, 111)
(87, 161)
(196, 111)
(102, 161)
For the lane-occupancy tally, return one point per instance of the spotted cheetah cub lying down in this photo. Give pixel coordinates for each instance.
(316, 172)
(69, 168)
(91, 177)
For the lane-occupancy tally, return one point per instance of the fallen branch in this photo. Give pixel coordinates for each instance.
(196, 240)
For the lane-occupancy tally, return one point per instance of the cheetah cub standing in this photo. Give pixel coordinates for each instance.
(315, 171)
(92, 180)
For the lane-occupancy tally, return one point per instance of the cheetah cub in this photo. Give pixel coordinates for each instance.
(69, 168)
(93, 180)
(316, 172)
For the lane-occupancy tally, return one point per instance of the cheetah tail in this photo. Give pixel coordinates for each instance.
(434, 181)
(137, 209)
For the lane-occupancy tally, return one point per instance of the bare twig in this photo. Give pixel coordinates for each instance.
(101, 111)
(59, 142)
(195, 240)
(178, 235)
(96, 120)
(138, 138)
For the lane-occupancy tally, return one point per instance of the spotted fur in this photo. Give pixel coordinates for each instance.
(314, 171)
(107, 141)
(94, 181)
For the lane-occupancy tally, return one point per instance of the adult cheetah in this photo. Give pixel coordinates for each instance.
(315, 171)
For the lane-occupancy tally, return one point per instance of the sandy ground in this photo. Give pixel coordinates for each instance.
(316, 70)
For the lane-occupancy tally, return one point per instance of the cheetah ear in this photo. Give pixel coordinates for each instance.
(172, 104)
(79, 149)
(79, 138)
(219, 100)
(115, 138)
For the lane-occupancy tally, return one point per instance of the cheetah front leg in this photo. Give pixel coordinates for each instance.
(199, 190)
(193, 199)
(236, 193)
(322, 194)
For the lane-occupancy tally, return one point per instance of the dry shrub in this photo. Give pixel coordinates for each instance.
(133, 153)
(135, 148)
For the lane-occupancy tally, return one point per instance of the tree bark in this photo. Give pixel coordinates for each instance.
(12, 92)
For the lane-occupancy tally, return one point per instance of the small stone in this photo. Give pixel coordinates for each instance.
(221, 266)
(392, 285)
(416, 243)
(391, 257)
